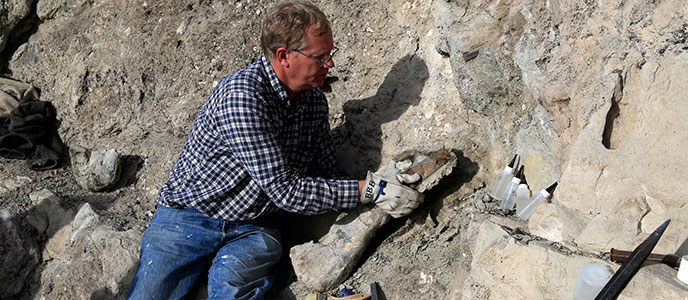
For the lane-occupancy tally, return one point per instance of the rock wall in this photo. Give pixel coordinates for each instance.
(602, 75)
(586, 92)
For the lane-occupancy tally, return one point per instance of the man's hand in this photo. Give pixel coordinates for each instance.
(396, 199)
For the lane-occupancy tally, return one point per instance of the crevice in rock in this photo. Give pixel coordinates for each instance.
(639, 230)
(608, 140)
(599, 175)
(19, 36)
(526, 238)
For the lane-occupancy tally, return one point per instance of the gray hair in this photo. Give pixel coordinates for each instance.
(286, 23)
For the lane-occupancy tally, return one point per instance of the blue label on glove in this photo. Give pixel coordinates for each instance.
(381, 191)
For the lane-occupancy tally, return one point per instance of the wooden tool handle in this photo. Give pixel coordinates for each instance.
(668, 259)
(328, 297)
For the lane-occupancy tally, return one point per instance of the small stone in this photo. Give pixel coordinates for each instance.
(95, 170)
(43, 196)
(15, 183)
(480, 205)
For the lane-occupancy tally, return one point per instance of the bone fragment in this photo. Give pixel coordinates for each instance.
(324, 264)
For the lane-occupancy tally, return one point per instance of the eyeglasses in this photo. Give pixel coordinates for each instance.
(321, 61)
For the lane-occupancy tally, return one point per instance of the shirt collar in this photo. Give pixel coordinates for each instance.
(274, 81)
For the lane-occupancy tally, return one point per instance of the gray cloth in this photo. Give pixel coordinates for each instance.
(28, 126)
(13, 92)
(32, 136)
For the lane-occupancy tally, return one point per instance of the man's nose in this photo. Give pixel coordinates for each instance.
(329, 64)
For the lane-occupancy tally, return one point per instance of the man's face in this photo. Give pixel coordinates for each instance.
(306, 73)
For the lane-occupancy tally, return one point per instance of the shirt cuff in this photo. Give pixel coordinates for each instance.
(347, 194)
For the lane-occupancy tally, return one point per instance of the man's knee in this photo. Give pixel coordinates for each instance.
(250, 256)
(173, 257)
(243, 267)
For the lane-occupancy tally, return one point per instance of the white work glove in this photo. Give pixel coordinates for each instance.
(395, 199)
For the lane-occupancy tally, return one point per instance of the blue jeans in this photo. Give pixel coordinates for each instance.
(180, 245)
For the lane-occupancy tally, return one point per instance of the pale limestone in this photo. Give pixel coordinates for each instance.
(509, 269)
(616, 192)
(504, 267)
(611, 80)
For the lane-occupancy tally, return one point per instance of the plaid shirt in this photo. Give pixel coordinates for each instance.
(252, 151)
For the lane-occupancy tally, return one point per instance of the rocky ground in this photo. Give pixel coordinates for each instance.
(37, 205)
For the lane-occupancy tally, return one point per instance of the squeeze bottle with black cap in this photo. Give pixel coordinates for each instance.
(522, 193)
(508, 202)
(512, 197)
(503, 180)
(540, 197)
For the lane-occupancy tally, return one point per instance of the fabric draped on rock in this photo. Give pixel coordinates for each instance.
(29, 129)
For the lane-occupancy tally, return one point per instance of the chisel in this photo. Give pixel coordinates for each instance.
(622, 276)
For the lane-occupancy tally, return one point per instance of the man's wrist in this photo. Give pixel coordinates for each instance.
(361, 183)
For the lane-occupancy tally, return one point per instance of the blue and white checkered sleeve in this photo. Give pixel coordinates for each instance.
(325, 161)
(251, 132)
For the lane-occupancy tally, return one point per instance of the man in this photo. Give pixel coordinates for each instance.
(260, 144)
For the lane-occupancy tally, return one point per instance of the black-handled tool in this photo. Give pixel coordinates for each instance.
(622, 276)
(376, 292)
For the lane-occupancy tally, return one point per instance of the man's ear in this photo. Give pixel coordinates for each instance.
(281, 56)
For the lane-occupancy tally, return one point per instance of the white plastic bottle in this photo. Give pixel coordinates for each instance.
(503, 180)
(509, 201)
(592, 277)
(535, 201)
(522, 193)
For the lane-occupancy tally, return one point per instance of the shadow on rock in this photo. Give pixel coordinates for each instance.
(131, 165)
(359, 143)
(359, 139)
(106, 294)
(463, 173)
(25, 239)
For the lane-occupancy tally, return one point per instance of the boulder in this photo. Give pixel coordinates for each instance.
(95, 170)
(19, 255)
(11, 13)
(88, 258)
(52, 219)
